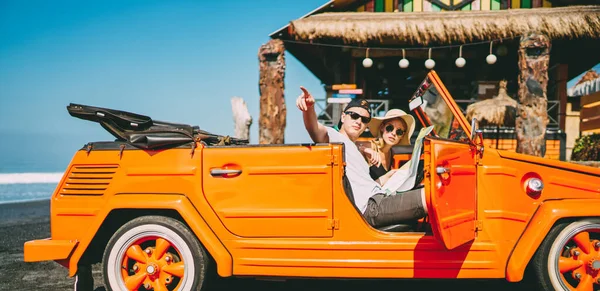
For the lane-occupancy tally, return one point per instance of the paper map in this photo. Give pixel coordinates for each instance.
(404, 178)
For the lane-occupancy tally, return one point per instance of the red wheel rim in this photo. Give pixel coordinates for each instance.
(152, 263)
(579, 261)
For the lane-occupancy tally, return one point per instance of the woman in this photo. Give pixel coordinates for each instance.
(395, 128)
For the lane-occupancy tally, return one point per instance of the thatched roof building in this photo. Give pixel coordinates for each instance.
(310, 37)
(588, 84)
(451, 27)
(333, 42)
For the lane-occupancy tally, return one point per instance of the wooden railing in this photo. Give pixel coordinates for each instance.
(590, 113)
(328, 113)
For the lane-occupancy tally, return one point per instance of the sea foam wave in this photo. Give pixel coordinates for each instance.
(30, 178)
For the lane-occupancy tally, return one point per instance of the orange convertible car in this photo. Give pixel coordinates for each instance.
(165, 203)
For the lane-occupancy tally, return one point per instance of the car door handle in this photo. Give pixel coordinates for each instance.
(442, 170)
(224, 172)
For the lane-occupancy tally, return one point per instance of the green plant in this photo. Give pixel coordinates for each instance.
(587, 148)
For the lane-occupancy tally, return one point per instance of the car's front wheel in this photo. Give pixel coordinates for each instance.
(569, 257)
(154, 253)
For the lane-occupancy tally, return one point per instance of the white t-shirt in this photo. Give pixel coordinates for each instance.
(357, 170)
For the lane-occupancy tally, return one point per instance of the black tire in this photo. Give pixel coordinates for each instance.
(560, 244)
(131, 256)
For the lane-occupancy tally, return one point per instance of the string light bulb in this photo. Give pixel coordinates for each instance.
(429, 63)
(460, 62)
(403, 63)
(367, 62)
(491, 58)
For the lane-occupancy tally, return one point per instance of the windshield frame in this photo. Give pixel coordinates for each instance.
(432, 79)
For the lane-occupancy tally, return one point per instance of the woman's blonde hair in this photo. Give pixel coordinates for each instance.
(377, 144)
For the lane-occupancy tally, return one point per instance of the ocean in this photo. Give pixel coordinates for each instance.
(32, 165)
(20, 187)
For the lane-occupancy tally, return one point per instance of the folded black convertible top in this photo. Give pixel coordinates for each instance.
(141, 131)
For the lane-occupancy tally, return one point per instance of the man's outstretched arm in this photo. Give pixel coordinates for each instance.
(317, 132)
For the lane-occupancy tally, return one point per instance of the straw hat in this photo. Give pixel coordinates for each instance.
(391, 114)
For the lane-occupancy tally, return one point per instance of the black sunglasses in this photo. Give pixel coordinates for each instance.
(355, 116)
(390, 128)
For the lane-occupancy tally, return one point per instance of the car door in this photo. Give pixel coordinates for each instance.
(450, 163)
(271, 191)
(453, 184)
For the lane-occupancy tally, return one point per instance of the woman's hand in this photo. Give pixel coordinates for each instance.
(383, 179)
(372, 156)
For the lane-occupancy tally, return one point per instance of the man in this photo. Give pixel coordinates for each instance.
(377, 208)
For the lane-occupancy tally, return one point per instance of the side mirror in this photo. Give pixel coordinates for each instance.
(417, 98)
(415, 102)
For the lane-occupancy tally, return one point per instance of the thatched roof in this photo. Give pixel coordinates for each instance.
(425, 28)
(585, 88)
(589, 75)
(499, 110)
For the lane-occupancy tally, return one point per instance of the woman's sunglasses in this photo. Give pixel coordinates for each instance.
(355, 116)
(390, 128)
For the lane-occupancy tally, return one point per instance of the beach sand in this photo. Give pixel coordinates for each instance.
(20, 222)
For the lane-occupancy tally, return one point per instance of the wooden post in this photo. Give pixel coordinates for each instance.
(562, 77)
(241, 118)
(532, 115)
(272, 103)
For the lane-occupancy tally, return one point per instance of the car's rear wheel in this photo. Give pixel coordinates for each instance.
(569, 257)
(154, 253)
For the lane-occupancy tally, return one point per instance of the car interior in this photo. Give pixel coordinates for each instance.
(420, 225)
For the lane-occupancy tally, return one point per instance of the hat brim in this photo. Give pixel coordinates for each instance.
(408, 119)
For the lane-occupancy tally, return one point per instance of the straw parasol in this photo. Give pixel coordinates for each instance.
(499, 110)
(427, 28)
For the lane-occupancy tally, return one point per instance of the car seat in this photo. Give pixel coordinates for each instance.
(401, 227)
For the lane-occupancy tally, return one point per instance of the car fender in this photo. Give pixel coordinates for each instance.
(540, 224)
(177, 202)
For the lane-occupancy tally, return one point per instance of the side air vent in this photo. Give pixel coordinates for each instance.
(89, 180)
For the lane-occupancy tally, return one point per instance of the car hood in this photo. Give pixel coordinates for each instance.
(568, 166)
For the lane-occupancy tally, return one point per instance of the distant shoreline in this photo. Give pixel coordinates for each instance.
(31, 178)
(23, 201)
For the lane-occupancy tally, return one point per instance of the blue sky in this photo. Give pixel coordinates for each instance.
(178, 61)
